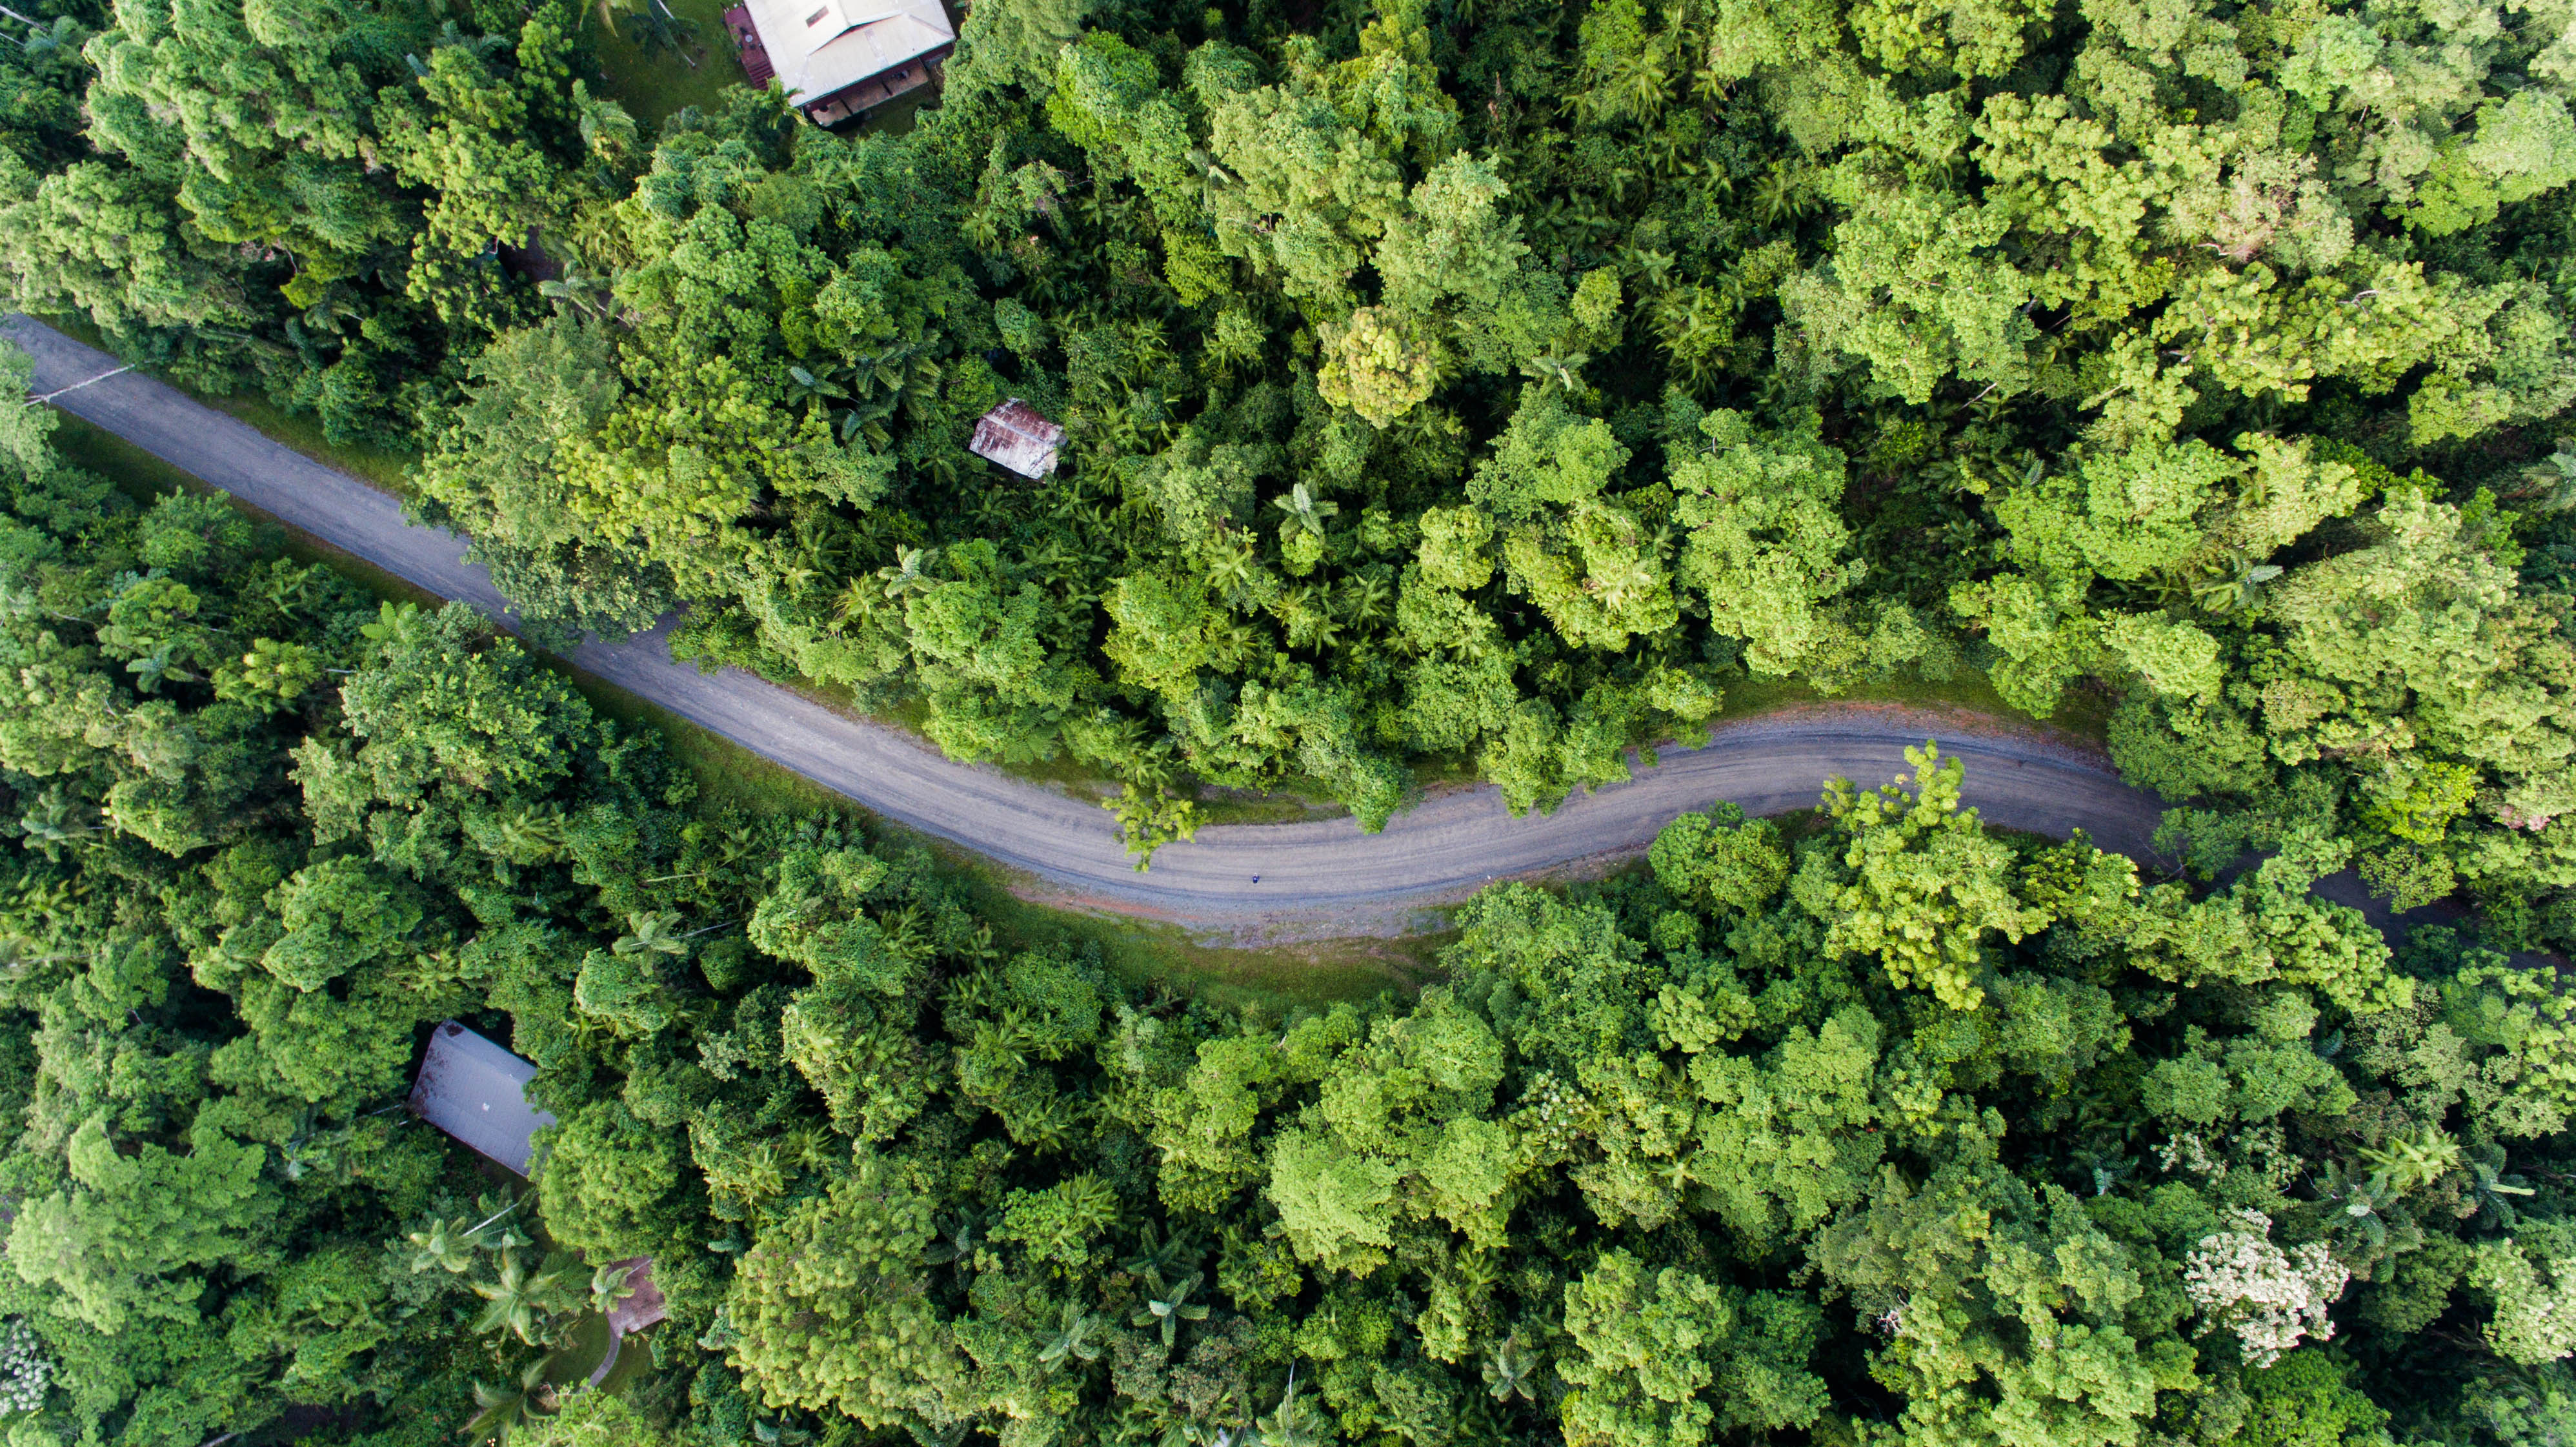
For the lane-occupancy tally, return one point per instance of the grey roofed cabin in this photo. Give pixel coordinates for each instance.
(1015, 436)
(478, 1092)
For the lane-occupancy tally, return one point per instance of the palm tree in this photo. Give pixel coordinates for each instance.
(2489, 1185)
(583, 291)
(608, 1286)
(1288, 1425)
(812, 390)
(2412, 1160)
(521, 1301)
(911, 573)
(956, 1243)
(447, 1245)
(1158, 1256)
(1310, 512)
(1171, 1309)
(18, 955)
(503, 1408)
(2360, 1199)
(1072, 1341)
(1784, 194)
(53, 819)
(1509, 1368)
(652, 935)
(1365, 597)
(157, 665)
(2240, 589)
(1563, 371)
(525, 836)
(1230, 570)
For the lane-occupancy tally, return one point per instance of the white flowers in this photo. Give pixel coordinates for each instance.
(24, 1372)
(2270, 1298)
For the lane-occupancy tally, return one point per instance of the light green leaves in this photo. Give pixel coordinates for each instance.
(1721, 859)
(1925, 884)
(1915, 288)
(1767, 547)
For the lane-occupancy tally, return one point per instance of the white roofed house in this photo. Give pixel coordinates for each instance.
(837, 59)
(476, 1091)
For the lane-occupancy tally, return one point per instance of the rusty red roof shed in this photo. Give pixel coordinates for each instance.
(1015, 436)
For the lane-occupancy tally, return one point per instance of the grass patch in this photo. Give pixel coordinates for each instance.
(2084, 713)
(385, 469)
(388, 471)
(143, 477)
(726, 772)
(656, 84)
(1274, 980)
(577, 1358)
(1143, 953)
(634, 1364)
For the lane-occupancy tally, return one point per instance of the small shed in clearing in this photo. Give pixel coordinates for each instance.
(1016, 437)
(478, 1092)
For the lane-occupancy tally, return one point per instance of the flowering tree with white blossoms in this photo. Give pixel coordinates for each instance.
(24, 1371)
(2269, 1297)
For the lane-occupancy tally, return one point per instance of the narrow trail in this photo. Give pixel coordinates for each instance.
(1316, 880)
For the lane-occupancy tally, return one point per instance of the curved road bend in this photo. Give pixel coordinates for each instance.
(1317, 879)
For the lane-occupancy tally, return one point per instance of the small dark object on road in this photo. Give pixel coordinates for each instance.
(1256, 879)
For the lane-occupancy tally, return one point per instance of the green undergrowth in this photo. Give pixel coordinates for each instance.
(578, 1358)
(1275, 977)
(1146, 952)
(2083, 715)
(378, 467)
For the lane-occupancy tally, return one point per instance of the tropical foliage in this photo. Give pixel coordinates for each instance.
(1450, 385)
(1875, 1125)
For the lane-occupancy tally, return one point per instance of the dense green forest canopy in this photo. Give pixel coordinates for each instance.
(1477, 385)
(1876, 1127)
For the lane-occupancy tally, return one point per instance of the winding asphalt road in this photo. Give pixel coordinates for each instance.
(1315, 879)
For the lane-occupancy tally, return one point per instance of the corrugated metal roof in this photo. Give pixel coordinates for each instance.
(822, 47)
(1015, 436)
(478, 1092)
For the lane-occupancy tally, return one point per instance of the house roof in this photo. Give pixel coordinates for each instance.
(477, 1092)
(819, 47)
(1015, 436)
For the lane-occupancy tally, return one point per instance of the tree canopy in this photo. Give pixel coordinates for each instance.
(1450, 387)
